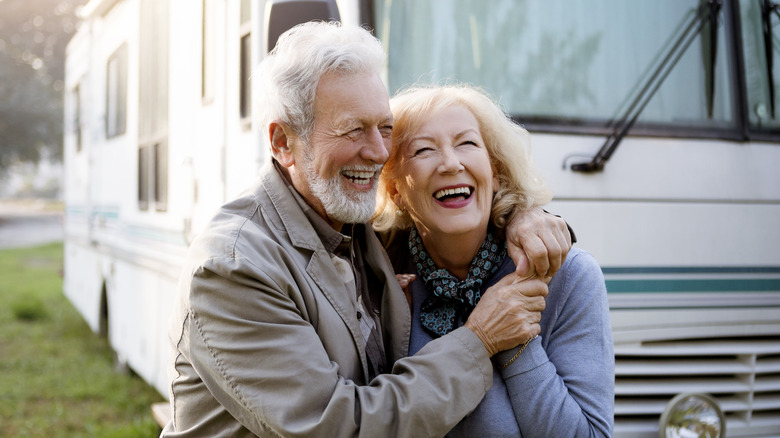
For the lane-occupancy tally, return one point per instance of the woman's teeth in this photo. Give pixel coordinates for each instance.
(459, 191)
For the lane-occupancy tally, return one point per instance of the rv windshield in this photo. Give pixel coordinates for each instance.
(582, 63)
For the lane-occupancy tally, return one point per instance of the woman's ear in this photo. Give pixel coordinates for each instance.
(392, 191)
(281, 138)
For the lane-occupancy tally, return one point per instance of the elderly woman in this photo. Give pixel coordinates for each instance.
(458, 169)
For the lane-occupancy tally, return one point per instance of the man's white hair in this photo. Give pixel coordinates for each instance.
(287, 78)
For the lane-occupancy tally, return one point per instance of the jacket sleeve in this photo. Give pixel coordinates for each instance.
(563, 386)
(264, 362)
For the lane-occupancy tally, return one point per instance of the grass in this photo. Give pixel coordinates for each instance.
(57, 378)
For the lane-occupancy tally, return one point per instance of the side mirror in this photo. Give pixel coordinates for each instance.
(282, 15)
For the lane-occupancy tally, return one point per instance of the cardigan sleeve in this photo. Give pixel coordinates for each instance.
(562, 384)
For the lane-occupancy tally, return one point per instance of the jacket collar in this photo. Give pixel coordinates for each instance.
(395, 314)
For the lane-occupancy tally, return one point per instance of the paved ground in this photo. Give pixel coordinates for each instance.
(28, 223)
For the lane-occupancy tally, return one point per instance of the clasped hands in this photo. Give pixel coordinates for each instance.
(509, 312)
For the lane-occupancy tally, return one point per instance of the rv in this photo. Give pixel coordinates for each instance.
(657, 125)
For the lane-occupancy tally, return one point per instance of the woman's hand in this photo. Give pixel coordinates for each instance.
(538, 242)
(509, 312)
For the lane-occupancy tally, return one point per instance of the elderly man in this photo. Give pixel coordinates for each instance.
(290, 320)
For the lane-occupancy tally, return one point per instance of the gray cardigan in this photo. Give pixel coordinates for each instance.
(562, 385)
(265, 338)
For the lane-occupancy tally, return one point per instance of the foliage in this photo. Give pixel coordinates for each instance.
(28, 308)
(58, 378)
(33, 36)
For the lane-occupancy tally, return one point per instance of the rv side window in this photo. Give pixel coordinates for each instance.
(153, 106)
(153, 177)
(76, 120)
(208, 50)
(761, 47)
(143, 178)
(116, 92)
(245, 69)
(160, 188)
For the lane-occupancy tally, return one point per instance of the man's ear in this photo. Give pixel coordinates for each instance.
(281, 137)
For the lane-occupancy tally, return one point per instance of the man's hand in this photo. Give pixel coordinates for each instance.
(509, 312)
(538, 243)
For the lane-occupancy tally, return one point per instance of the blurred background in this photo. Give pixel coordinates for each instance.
(57, 378)
(33, 36)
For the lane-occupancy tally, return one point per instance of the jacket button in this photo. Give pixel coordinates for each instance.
(359, 315)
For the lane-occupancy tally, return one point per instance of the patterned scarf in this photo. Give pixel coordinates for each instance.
(452, 298)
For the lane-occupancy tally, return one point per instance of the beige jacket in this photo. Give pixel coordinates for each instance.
(266, 341)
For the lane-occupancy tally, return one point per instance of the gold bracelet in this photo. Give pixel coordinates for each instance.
(518, 353)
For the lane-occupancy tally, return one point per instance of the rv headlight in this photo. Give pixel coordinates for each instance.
(691, 415)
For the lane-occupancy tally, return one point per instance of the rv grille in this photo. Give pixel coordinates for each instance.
(743, 374)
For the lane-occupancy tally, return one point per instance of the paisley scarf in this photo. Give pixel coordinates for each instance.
(449, 298)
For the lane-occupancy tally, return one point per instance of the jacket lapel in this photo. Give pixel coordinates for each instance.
(321, 268)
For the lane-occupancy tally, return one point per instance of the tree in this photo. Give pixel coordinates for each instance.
(33, 37)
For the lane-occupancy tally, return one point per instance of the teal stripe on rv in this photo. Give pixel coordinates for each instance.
(630, 270)
(694, 285)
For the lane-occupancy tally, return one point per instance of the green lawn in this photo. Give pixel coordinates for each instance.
(57, 378)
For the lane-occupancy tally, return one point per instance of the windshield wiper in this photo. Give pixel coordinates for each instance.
(767, 8)
(708, 13)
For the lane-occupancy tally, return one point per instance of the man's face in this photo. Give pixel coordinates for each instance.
(338, 170)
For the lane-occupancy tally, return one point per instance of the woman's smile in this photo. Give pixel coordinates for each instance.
(454, 197)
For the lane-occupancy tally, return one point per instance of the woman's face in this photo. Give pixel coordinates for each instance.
(445, 178)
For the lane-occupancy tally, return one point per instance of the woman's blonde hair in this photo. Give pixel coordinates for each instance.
(508, 145)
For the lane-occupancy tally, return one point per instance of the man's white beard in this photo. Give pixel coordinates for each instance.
(349, 207)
